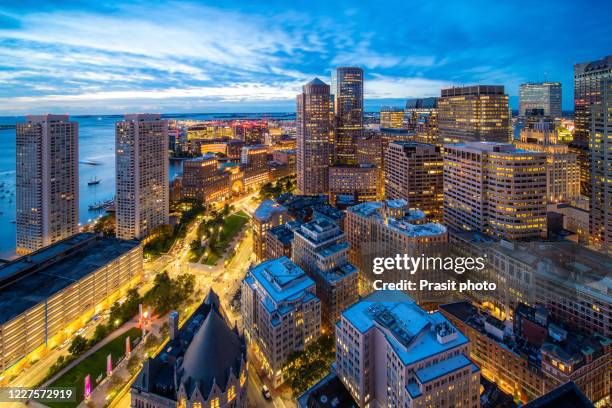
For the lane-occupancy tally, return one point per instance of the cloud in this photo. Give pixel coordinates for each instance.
(381, 87)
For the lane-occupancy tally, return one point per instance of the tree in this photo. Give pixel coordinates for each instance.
(78, 345)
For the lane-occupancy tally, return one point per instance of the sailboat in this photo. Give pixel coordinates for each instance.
(93, 181)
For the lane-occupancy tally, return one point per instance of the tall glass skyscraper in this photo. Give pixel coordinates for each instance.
(314, 130)
(587, 91)
(541, 95)
(348, 103)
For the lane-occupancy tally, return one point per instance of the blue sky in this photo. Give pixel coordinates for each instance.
(244, 56)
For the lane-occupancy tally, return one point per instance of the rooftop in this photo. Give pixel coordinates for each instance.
(567, 395)
(327, 393)
(413, 333)
(281, 279)
(284, 233)
(268, 208)
(31, 279)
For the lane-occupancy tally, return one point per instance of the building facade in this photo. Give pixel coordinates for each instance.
(281, 313)
(314, 137)
(413, 172)
(268, 215)
(321, 249)
(348, 103)
(540, 95)
(391, 117)
(392, 353)
(422, 119)
(474, 113)
(142, 181)
(496, 189)
(353, 184)
(47, 181)
(588, 78)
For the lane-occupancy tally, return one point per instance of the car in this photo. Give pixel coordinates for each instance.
(265, 391)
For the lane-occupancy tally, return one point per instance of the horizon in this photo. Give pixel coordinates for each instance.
(87, 58)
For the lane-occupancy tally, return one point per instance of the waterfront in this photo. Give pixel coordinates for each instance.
(96, 145)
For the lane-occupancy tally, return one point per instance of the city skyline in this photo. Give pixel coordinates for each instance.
(249, 58)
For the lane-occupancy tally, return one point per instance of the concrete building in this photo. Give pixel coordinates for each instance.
(279, 240)
(413, 172)
(540, 95)
(391, 117)
(422, 119)
(321, 249)
(601, 170)
(47, 181)
(204, 364)
(347, 86)
(562, 169)
(269, 214)
(314, 137)
(281, 313)
(353, 184)
(142, 181)
(50, 293)
(474, 113)
(495, 188)
(392, 353)
(196, 173)
(534, 357)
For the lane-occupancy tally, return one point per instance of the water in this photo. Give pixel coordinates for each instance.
(96, 143)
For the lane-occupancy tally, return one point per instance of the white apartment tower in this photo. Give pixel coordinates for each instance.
(142, 191)
(47, 181)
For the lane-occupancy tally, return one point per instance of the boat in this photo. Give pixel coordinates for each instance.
(100, 205)
(93, 181)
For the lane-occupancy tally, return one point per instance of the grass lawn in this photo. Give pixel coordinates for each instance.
(92, 365)
(233, 224)
(211, 259)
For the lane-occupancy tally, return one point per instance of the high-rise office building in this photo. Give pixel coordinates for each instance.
(562, 170)
(321, 249)
(588, 78)
(314, 137)
(47, 181)
(413, 172)
(495, 188)
(474, 113)
(601, 169)
(392, 353)
(348, 102)
(540, 95)
(142, 185)
(391, 117)
(422, 119)
(281, 313)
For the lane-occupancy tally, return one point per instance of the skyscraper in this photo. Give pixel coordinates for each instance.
(314, 137)
(601, 169)
(413, 172)
(587, 91)
(47, 181)
(474, 113)
(422, 118)
(348, 101)
(391, 117)
(541, 95)
(142, 191)
(496, 189)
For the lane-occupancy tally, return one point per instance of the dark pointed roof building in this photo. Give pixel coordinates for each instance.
(203, 365)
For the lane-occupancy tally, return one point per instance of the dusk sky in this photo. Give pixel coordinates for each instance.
(245, 56)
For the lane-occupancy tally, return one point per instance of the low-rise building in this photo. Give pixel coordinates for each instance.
(392, 353)
(269, 214)
(281, 313)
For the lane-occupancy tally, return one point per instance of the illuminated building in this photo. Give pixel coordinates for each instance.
(47, 181)
(588, 78)
(413, 172)
(348, 102)
(142, 185)
(566, 395)
(279, 240)
(392, 353)
(540, 95)
(286, 156)
(601, 169)
(204, 364)
(321, 249)
(369, 151)
(536, 355)
(422, 118)
(269, 214)
(209, 130)
(473, 113)
(391, 117)
(254, 159)
(495, 188)
(50, 293)
(281, 313)
(562, 170)
(314, 137)
(202, 179)
(250, 132)
(353, 184)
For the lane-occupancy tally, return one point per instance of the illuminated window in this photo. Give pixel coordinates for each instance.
(214, 403)
(231, 394)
